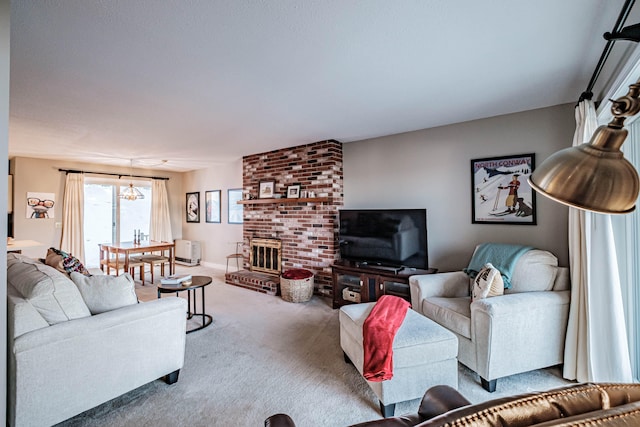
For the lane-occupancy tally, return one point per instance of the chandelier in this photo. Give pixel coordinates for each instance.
(131, 192)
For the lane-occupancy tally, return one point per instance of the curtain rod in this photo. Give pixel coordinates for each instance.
(119, 175)
(624, 13)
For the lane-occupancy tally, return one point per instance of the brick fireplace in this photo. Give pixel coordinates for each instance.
(307, 229)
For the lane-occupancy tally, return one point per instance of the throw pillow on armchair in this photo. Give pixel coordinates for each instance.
(488, 283)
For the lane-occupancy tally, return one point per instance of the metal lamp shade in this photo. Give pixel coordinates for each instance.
(594, 176)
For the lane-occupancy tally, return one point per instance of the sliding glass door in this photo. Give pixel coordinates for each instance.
(109, 219)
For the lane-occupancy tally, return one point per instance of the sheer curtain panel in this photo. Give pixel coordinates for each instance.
(72, 240)
(160, 218)
(596, 344)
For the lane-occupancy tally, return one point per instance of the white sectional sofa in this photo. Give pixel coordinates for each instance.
(63, 360)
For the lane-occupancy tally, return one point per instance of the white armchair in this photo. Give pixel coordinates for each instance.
(522, 330)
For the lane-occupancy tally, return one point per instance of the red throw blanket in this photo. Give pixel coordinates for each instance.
(378, 332)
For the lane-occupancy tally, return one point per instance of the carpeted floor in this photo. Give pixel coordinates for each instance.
(262, 355)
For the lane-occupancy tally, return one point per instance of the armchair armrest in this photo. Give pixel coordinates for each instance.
(437, 400)
(440, 399)
(450, 285)
(519, 332)
(279, 420)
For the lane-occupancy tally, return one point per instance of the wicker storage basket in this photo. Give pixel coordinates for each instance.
(296, 290)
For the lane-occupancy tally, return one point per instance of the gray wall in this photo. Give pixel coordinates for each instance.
(431, 169)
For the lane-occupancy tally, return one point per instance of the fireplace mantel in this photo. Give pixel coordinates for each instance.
(286, 201)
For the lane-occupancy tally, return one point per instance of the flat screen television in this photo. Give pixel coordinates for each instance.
(384, 237)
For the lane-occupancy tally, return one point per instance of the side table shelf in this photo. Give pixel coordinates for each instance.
(353, 283)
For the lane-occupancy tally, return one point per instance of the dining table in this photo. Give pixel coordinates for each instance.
(148, 246)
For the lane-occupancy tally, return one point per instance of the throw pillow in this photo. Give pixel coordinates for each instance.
(105, 293)
(55, 260)
(488, 283)
(64, 262)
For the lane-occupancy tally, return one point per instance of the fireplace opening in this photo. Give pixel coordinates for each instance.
(265, 255)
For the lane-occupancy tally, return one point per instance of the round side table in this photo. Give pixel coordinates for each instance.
(197, 282)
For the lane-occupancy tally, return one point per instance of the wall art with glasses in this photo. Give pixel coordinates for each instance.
(500, 193)
(40, 205)
(212, 206)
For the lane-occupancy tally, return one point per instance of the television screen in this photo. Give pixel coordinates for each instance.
(384, 237)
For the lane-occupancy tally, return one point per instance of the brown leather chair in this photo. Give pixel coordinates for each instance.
(576, 405)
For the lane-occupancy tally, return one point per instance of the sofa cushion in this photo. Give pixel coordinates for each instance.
(488, 283)
(535, 271)
(452, 313)
(50, 292)
(22, 316)
(105, 293)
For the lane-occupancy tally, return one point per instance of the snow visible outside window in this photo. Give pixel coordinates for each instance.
(108, 219)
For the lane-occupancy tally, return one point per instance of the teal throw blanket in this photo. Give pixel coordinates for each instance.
(502, 256)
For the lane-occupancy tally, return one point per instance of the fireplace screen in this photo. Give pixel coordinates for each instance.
(265, 255)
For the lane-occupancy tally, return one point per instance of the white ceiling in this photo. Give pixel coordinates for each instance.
(197, 82)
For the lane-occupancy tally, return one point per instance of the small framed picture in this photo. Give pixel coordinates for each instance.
(234, 215)
(266, 190)
(293, 191)
(193, 207)
(500, 193)
(212, 206)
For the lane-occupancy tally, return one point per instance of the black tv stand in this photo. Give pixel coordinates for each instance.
(355, 282)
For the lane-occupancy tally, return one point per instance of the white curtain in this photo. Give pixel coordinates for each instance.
(596, 346)
(160, 218)
(72, 240)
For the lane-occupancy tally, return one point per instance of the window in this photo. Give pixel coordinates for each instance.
(108, 219)
(627, 238)
(626, 228)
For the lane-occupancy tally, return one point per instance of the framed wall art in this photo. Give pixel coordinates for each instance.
(40, 205)
(500, 192)
(193, 207)
(212, 206)
(235, 209)
(266, 189)
(293, 191)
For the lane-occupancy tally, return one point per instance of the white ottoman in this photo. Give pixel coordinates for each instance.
(424, 355)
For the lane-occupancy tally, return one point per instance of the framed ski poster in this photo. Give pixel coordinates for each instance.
(500, 192)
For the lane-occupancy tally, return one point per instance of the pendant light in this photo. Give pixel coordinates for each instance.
(131, 192)
(595, 176)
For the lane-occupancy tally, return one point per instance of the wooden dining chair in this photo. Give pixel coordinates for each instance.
(112, 260)
(153, 260)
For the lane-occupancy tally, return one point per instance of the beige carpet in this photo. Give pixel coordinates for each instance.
(262, 355)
